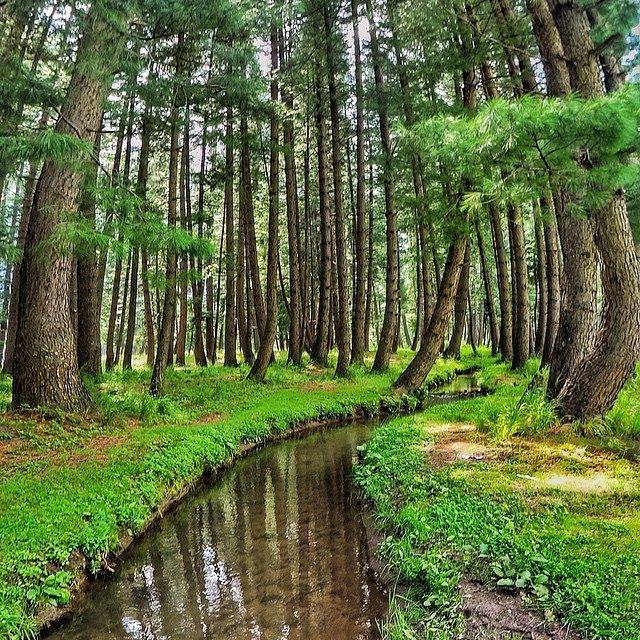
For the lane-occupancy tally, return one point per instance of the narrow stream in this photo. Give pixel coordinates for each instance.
(274, 549)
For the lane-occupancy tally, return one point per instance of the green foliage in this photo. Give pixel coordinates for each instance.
(46, 145)
(561, 554)
(529, 141)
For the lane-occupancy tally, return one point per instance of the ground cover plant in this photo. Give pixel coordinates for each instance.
(524, 505)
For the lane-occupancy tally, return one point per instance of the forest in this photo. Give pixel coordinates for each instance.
(388, 251)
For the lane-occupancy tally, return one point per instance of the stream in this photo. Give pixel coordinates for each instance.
(274, 548)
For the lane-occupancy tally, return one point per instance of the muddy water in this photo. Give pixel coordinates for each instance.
(274, 549)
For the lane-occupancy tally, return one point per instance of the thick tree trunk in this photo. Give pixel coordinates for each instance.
(577, 315)
(595, 382)
(47, 372)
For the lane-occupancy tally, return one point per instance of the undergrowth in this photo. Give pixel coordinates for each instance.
(74, 485)
(572, 555)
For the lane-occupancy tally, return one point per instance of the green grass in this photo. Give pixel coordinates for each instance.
(73, 485)
(555, 515)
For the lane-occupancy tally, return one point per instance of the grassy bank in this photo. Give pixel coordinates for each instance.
(492, 490)
(72, 488)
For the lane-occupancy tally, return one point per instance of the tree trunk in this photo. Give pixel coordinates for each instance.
(579, 277)
(343, 339)
(541, 278)
(321, 344)
(47, 372)
(230, 332)
(392, 276)
(265, 352)
(250, 230)
(88, 338)
(488, 290)
(293, 226)
(127, 355)
(148, 312)
(595, 382)
(553, 276)
(416, 372)
(165, 332)
(460, 307)
(359, 326)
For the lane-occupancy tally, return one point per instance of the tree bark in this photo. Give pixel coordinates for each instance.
(230, 330)
(343, 339)
(392, 275)
(321, 343)
(293, 224)
(167, 321)
(47, 372)
(488, 290)
(595, 382)
(416, 372)
(520, 287)
(88, 338)
(265, 352)
(359, 326)
(460, 307)
(550, 230)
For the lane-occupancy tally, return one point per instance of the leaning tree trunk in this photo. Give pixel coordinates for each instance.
(578, 284)
(416, 372)
(594, 384)
(46, 371)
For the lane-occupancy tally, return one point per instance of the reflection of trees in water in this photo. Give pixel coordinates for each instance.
(274, 550)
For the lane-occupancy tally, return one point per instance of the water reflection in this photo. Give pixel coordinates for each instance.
(274, 550)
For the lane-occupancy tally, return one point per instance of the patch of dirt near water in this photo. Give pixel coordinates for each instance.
(500, 615)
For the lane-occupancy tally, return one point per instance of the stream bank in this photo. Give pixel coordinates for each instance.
(81, 489)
